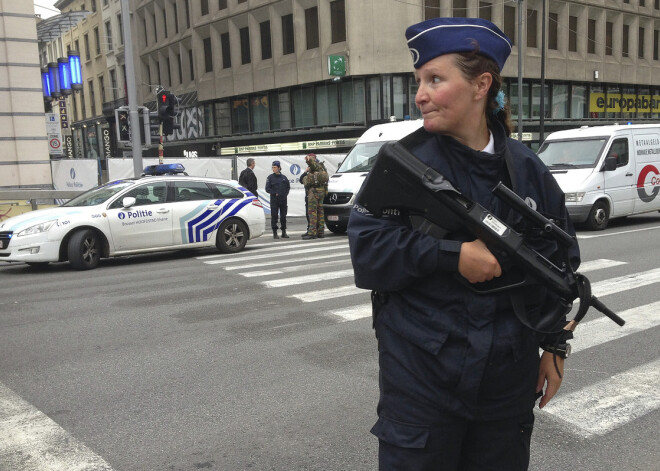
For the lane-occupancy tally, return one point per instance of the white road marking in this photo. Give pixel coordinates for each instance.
(281, 271)
(608, 404)
(626, 282)
(268, 255)
(31, 441)
(599, 264)
(340, 253)
(593, 236)
(331, 293)
(299, 280)
(276, 248)
(602, 330)
(352, 313)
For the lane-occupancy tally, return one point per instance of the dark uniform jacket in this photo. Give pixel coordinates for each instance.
(248, 179)
(425, 304)
(277, 185)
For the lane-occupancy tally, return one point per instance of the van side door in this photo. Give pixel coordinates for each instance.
(619, 183)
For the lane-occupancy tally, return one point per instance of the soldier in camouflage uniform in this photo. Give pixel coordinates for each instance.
(316, 186)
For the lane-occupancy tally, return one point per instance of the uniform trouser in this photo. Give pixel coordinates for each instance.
(315, 210)
(277, 207)
(416, 434)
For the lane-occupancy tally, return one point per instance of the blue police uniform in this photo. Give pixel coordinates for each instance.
(277, 186)
(448, 355)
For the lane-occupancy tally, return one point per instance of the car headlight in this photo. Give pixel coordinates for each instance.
(37, 228)
(574, 197)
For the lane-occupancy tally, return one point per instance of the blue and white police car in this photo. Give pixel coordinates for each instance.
(163, 210)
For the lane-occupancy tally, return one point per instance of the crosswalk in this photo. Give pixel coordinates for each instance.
(300, 269)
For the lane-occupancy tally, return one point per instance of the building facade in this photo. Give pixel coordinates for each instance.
(269, 76)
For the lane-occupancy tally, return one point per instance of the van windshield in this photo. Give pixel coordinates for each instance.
(578, 153)
(361, 157)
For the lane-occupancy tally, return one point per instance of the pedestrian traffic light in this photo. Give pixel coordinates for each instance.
(122, 125)
(151, 127)
(167, 103)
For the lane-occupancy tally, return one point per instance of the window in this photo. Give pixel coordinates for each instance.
(176, 17)
(640, 43)
(259, 113)
(327, 104)
(225, 192)
(624, 41)
(165, 21)
(208, 55)
(92, 98)
(552, 31)
(373, 99)
(86, 42)
(113, 84)
(222, 4)
(312, 27)
(144, 29)
(168, 65)
(287, 35)
(579, 101)
(280, 110)
(609, 27)
(102, 88)
(179, 68)
(226, 51)
(151, 193)
(572, 33)
(222, 118)
(121, 29)
(153, 18)
(239, 114)
(338, 21)
(204, 7)
(486, 11)
(191, 64)
(93, 3)
(510, 22)
(591, 36)
(108, 35)
(97, 41)
(559, 101)
(459, 9)
(193, 191)
(266, 50)
(303, 107)
(242, 1)
(431, 9)
(532, 27)
(656, 44)
(187, 6)
(536, 101)
(399, 97)
(245, 45)
(619, 150)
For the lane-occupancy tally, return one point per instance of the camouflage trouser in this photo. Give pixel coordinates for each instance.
(315, 211)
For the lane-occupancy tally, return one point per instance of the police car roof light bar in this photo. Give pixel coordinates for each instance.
(164, 169)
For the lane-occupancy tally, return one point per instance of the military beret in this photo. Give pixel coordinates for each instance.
(439, 36)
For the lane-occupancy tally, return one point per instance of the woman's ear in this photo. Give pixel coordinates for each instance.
(483, 83)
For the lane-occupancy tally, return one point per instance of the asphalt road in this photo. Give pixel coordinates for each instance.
(195, 360)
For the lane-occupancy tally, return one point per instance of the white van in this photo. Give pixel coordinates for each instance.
(344, 185)
(606, 171)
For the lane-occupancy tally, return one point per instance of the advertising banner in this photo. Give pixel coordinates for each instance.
(292, 167)
(78, 174)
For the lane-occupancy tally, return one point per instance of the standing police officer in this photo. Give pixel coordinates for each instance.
(277, 186)
(459, 371)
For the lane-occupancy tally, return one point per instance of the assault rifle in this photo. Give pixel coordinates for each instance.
(399, 181)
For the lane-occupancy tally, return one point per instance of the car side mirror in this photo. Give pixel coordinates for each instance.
(128, 202)
(610, 164)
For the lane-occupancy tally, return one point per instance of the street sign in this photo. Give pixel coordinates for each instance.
(55, 144)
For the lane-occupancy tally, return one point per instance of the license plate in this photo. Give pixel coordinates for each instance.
(333, 218)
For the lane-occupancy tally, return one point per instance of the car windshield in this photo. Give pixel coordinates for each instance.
(578, 153)
(100, 194)
(361, 157)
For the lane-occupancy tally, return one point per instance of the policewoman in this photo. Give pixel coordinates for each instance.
(278, 186)
(460, 372)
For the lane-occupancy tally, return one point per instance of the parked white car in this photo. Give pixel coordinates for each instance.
(165, 210)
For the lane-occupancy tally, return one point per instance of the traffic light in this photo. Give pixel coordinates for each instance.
(122, 125)
(167, 111)
(151, 123)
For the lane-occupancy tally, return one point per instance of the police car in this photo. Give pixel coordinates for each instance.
(163, 210)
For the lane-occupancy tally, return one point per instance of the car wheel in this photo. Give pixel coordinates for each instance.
(336, 228)
(232, 236)
(599, 216)
(84, 250)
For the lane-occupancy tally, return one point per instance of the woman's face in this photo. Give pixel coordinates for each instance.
(449, 103)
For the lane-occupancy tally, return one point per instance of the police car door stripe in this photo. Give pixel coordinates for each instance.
(211, 218)
(608, 404)
(210, 229)
(186, 228)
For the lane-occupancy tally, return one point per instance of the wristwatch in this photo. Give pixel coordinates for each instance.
(562, 350)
